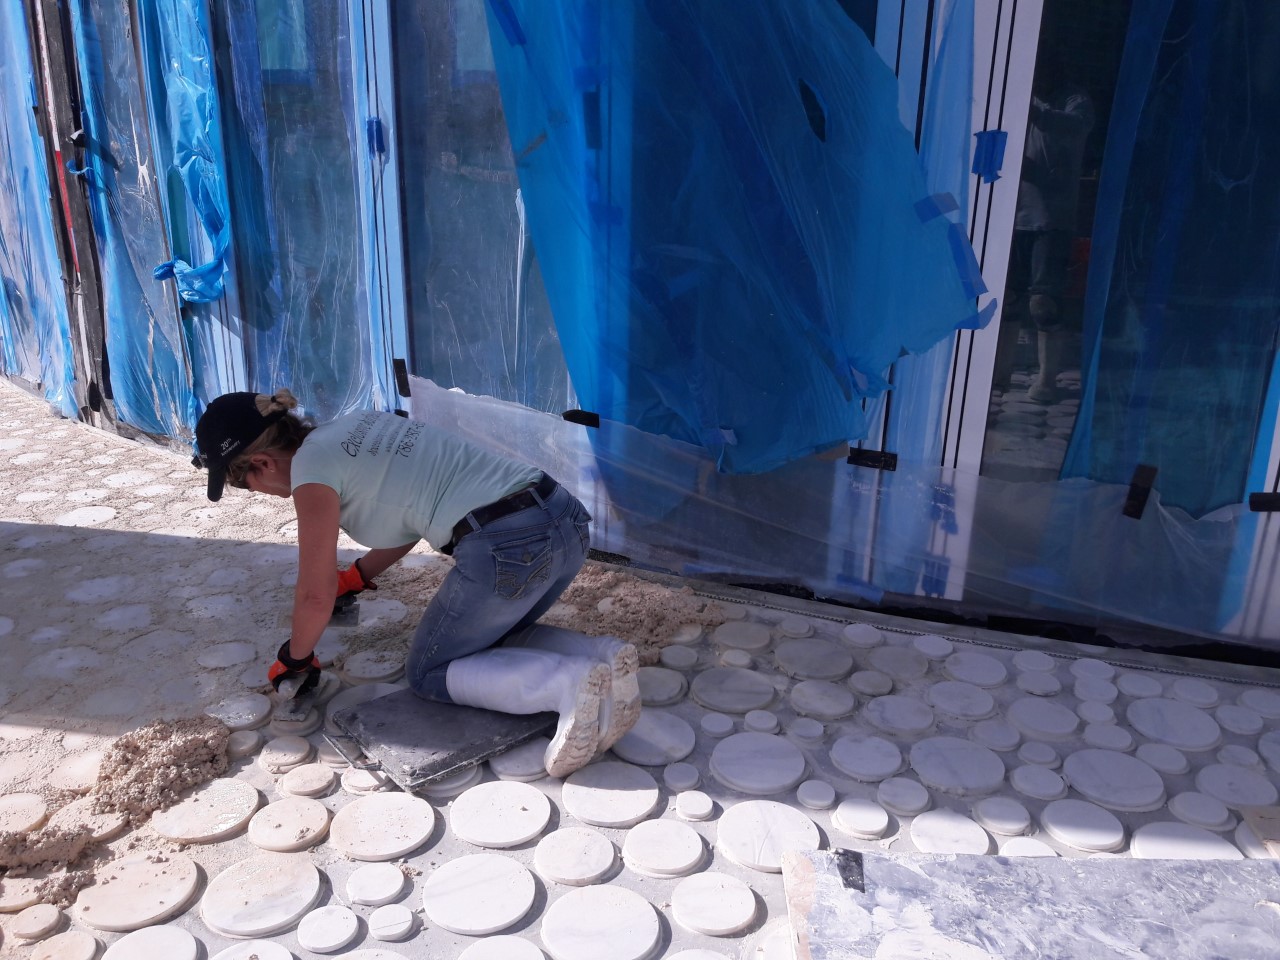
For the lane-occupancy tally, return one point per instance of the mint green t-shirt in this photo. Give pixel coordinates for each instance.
(402, 480)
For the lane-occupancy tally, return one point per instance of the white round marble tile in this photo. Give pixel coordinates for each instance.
(243, 743)
(77, 773)
(995, 735)
(694, 805)
(716, 724)
(731, 690)
(742, 635)
(816, 795)
(1096, 690)
(1201, 810)
(261, 895)
(1035, 661)
(662, 848)
(595, 922)
(963, 701)
(870, 683)
(1114, 780)
(353, 696)
(375, 884)
(79, 815)
(757, 763)
(392, 922)
(680, 776)
(862, 635)
(756, 833)
(523, 763)
(1002, 815)
(328, 929)
(1090, 667)
(807, 729)
(355, 780)
(281, 727)
(1042, 719)
(502, 948)
(382, 826)
(822, 699)
(1093, 711)
(1180, 841)
(1108, 736)
(1173, 722)
(813, 659)
(308, 780)
(1239, 755)
(869, 759)
(500, 814)
(1239, 719)
(21, 812)
(1083, 826)
(899, 716)
(1163, 758)
(861, 818)
(478, 895)
(687, 633)
(979, 669)
(1038, 783)
(795, 626)
(77, 945)
(172, 943)
(760, 721)
(1039, 684)
(36, 922)
(289, 825)
(214, 810)
(1261, 701)
(610, 794)
(731, 611)
(658, 738)
(660, 687)
(281, 754)
(903, 797)
(737, 658)
(1139, 685)
(1269, 748)
(372, 666)
(933, 646)
(1236, 786)
(713, 904)
(678, 658)
(138, 890)
(903, 664)
(945, 831)
(574, 856)
(956, 766)
(1198, 693)
(1033, 751)
(244, 711)
(1026, 847)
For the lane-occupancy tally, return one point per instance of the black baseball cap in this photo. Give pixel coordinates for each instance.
(229, 424)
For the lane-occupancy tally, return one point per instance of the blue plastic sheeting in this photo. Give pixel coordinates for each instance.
(146, 349)
(725, 202)
(1184, 277)
(35, 335)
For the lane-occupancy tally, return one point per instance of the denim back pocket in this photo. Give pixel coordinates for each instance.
(521, 564)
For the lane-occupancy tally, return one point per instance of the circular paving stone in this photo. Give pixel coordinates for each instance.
(1002, 815)
(1201, 810)
(1238, 719)
(737, 658)
(1026, 847)
(214, 810)
(1173, 722)
(1039, 684)
(138, 890)
(478, 895)
(1236, 786)
(871, 683)
(731, 690)
(77, 945)
(523, 763)
(933, 646)
(375, 884)
(903, 664)
(760, 721)
(822, 699)
(574, 856)
(1093, 689)
(328, 929)
(372, 666)
(660, 687)
(862, 635)
(500, 814)
(245, 711)
(1082, 826)
(79, 815)
(903, 797)
(899, 716)
(713, 904)
(1089, 667)
(1240, 755)
(281, 754)
(956, 766)
(1264, 702)
(658, 738)
(1139, 685)
(742, 635)
(662, 848)
(1195, 692)
(596, 922)
(21, 812)
(382, 826)
(694, 805)
(716, 725)
(392, 922)
(757, 763)
(816, 795)
(1114, 780)
(680, 776)
(1180, 841)
(869, 759)
(1042, 719)
(1091, 711)
(687, 633)
(308, 780)
(995, 735)
(795, 626)
(502, 948)
(1163, 758)
(807, 729)
(980, 669)
(678, 658)
(172, 943)
(1108, 736)
(261, 896)
(757, 833)
(1033, 751)
(813, 659)
(36, 922)
(1038, 783)
(945, 831)
(77, 773)
(244, 743)
(1034, 660)
(963, 701)
(289, 825)
(610, 794)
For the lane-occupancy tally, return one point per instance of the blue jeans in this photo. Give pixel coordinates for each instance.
(506, 575)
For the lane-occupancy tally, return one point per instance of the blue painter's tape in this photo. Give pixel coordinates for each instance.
(988, 154)
(376, 136)
(980, 319)
(505, 14)
(966, 262)
(936, 206)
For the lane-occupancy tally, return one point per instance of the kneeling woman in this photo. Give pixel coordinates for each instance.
(517, 539)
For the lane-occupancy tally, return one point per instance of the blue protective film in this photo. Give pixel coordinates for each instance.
(35, 335)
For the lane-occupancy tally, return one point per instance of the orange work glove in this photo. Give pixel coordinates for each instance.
(351, 581)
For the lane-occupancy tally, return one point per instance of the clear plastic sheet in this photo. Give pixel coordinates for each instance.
(35, 334)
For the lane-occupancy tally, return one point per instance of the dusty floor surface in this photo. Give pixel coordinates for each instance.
(117, 577)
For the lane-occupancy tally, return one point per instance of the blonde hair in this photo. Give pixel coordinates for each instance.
(283, 436)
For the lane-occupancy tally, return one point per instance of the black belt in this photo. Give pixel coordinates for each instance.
(511, 503)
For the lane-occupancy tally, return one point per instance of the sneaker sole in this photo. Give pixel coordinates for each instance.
(578, 734)
(624, 668)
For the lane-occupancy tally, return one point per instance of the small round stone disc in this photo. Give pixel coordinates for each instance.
(694, 805)
(1173, 722)
(243, 743)
(245, 711)
(138, 890)
(1264, 702)
(1039, 684)
(794, 626)
(610, 794)
(1089, 667)
(742, 635)
(731, 690)
(261, 895)
(214, 810)
(574, 856)
(899, 716)
(957, 766)
(871, 683)
(593, 922)
(1082, 826)
(901, 663)
(1139, 685)
(980, 669)
(454, 784)
(79, 772)
(680, 777)
(862, 635)
(355, 780)
(678, 658)
(945, 831)
(78, 814)
(289, 825)
(1042, 719)
(500, 814)
(687, 633)
(861, 818)
(1114, 780)
(757, 763)
(1026, 847)
(309, 724)
(903, 797)
(816, 795)
(662, 848)
(807, 729)
(18, 893)
(658, 738)
(1195, 692)
(759, 721)
(813, 659)
(737, 658)
(77, 945)
(478, 895)
(1091, 711)
(822, 699)
(1108, 736)
(502, 948)
(995, 735)
(328, 929)
(372, 666)
(21, 812)
(392, 922)
(756, 833)
(382, 826)
(933, 646)
(713, 904)
(284, 753)
(1034, 660)
(869, 759)
(172, 943)
(1038, 783)
(660, 687)
(254, 950)
(716, 725)
(375, 884)
(1002, 815)
(1033, 751)
(308, 780)
(1238, 719)
(1164, 758)
(36, 922)
(523, 763)
(1236, 786)
(963, 701)
(1180, 841)
(1201, 810)
(1099, 691)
